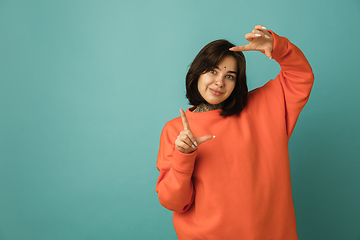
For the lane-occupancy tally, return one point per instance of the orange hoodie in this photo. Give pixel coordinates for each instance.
(237, 185)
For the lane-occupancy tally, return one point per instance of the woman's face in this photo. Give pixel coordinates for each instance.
(216, 85)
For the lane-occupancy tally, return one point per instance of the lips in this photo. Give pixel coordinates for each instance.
(215, 92)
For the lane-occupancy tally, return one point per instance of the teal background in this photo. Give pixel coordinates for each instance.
(87, 86)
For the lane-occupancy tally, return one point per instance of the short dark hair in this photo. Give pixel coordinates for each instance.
(207, 59)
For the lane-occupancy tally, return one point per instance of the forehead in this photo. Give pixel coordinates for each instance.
(229, 63)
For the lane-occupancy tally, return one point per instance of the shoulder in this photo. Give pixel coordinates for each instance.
(172, 127)
(176, 123)
(173, 122)
(269, 95)
(268, 89)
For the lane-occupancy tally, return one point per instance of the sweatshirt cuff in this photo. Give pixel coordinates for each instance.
(280, 46)
(183, 162)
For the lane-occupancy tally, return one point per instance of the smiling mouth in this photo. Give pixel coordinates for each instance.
(216, 93)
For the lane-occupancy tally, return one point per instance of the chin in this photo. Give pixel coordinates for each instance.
(214, 102)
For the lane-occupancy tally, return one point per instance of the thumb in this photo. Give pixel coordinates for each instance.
(205, 138)
(268, 53)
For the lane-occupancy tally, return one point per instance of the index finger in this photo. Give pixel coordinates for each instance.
(184, 120)
(241, 48)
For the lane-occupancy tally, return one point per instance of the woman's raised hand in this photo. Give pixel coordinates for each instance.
(259, 40)
(186, 142)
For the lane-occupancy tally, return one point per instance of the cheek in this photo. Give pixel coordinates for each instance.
(199, 84)
(231, 87)
(203, 82)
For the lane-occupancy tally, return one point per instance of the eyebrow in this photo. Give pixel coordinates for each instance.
(227, 71)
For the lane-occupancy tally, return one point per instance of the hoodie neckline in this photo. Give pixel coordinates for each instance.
(202, 115)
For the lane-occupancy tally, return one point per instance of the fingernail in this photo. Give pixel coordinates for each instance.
(195, 143)
(193, 146)
(267, 36)
(230, 49)
(263, 27)
(213, 136)
(257, 34)
(270, 58)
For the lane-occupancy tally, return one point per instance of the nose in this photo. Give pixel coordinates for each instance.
(219, 81)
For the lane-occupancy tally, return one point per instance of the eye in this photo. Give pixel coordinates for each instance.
(231, 77)
(212, 71)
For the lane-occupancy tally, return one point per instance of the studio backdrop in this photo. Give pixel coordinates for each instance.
(87, 86)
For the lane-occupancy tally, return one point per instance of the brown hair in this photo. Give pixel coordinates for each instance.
(207, 59)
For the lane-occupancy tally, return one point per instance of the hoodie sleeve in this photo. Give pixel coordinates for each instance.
(174, 186)
(295, 79)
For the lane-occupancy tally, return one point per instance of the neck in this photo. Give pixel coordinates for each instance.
(204, 107)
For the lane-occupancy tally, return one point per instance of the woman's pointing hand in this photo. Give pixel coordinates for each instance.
(186, 142)
(259, 40)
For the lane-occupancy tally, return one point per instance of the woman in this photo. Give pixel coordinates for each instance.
(237, 185)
